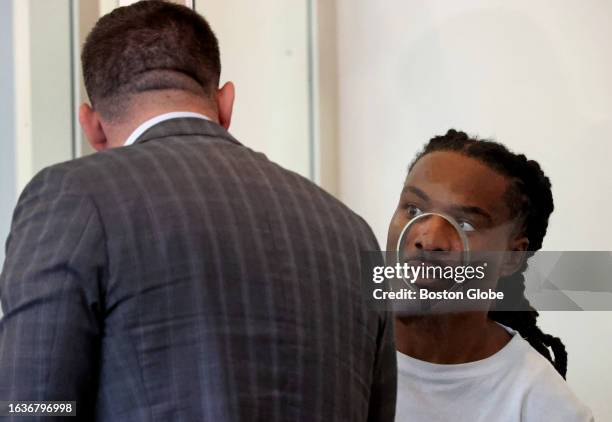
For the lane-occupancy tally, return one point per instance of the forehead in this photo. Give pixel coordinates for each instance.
(453, 178)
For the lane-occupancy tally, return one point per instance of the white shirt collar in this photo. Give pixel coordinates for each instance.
(158, 119)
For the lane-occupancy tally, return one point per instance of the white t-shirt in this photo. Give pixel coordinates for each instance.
(515, 384)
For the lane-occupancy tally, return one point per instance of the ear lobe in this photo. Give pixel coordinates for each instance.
(225, 104)
(92, 126)
(515, 257)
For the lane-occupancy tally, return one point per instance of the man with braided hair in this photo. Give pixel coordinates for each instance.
(486, 365)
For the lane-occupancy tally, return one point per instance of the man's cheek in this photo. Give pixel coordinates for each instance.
(394, 230)
(488, 240)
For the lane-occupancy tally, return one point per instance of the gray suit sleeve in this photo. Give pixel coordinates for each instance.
(383, 393)
(50, 295)
(384, 387)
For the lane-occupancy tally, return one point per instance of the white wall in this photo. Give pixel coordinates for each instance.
(534, 75)
(8, 182)
(36, 106)
(264, 51)
(51, 83)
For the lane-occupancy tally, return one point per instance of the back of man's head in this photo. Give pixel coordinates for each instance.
(148, 46)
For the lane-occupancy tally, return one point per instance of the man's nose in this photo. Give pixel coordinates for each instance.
(434, 233)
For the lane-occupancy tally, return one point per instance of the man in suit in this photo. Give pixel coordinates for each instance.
(177, 274)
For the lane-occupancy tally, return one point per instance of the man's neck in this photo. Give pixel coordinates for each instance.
(147, 106)
(449, 338)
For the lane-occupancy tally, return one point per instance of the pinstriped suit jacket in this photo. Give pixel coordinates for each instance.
(188, 278)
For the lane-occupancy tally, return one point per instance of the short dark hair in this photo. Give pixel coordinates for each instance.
(149, 45)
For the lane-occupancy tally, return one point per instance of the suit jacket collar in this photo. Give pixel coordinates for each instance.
(186, 126)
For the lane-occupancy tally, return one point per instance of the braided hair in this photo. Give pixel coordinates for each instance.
(530, 199)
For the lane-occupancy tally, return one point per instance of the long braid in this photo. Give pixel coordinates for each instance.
(530, 199)
(525, 322)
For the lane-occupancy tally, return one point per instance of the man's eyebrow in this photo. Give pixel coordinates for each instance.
(418, 192)
(459, 209)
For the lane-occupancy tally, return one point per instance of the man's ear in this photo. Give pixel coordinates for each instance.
(516, 256)
(225, 104)
(90, 122)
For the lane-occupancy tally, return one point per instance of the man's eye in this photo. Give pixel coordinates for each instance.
(413, 211)
(466, 227)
